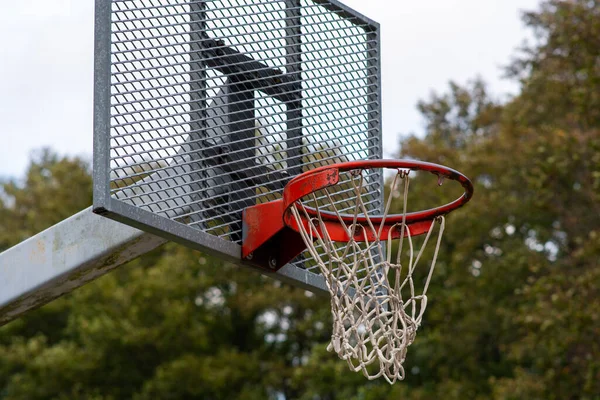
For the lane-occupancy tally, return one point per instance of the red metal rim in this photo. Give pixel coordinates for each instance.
(322, 177)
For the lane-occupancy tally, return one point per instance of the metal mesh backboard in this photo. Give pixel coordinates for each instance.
(203, 108)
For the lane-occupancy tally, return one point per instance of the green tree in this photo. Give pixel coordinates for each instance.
(515, 313)
(560, 71)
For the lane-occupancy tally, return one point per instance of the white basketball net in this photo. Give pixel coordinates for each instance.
(375, 302)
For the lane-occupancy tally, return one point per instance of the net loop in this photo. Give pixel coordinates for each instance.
(377, 304)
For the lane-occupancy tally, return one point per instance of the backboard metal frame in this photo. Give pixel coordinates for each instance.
(106, 205)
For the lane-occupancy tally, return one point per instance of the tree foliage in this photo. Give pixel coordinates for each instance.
(513, 304)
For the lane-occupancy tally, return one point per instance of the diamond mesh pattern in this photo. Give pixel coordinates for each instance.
(215, 105)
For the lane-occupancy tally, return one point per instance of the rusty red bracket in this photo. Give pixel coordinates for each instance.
(270, 235)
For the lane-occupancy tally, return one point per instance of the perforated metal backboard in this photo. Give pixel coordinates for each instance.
(203, 108)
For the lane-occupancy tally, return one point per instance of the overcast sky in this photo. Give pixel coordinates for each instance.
(46, 65)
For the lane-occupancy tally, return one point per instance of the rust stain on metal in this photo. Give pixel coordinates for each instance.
(38, 253)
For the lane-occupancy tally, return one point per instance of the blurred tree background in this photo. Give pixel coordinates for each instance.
(514, 308)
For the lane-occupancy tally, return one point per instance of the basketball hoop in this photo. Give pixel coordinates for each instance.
(377, 303)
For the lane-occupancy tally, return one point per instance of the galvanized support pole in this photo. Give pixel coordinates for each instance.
(374, 97)
(242, 127)
(293, 60)
(64, 257)
(374, 127)
(199, 133)
(82, 248)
